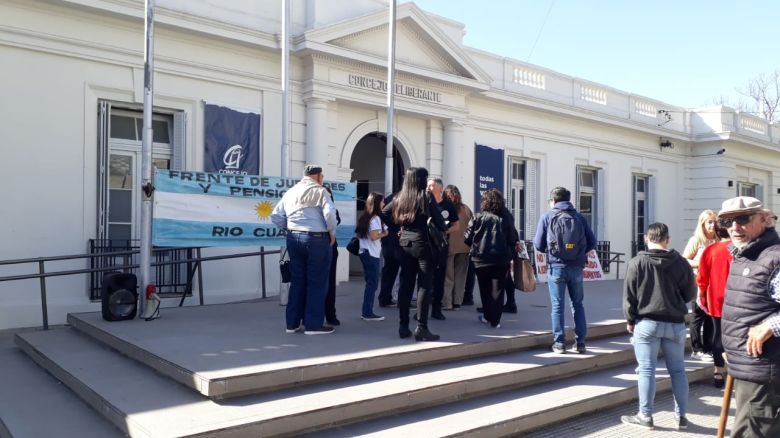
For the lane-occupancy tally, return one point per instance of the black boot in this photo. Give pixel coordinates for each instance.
(404, 332)
(436, 314)
(422, 334)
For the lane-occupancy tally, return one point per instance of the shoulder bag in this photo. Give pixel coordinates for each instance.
(354, 245)
(523, 273)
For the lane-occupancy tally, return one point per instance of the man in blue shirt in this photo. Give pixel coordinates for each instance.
(308, 216)
(566, 237)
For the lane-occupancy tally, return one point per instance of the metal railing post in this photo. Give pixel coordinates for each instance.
(262, 269)
(200, 277)
(44, 305)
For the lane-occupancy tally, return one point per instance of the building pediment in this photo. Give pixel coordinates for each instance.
(422, 48)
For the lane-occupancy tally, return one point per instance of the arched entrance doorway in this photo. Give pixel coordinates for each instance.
(368, 166)
(368, 171)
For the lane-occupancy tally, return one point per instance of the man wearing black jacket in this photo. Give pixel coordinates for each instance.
(659, 284)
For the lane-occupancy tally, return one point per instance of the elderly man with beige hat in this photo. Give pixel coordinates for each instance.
(751, 316)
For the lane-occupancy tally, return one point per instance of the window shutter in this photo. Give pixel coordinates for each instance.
(600, 201)
(104, 132)
(179, 143)
(531, 198)
(760, 193)
(650, 200)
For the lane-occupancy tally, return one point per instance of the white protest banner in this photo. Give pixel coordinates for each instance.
(591, 272)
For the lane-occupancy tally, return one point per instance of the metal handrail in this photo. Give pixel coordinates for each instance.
(43, 275)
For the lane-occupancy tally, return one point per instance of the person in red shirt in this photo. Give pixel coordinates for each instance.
(714, 266)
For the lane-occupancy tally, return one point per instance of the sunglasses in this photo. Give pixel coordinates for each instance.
(726, 222)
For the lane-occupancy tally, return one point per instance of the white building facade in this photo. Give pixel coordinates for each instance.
(72, 90)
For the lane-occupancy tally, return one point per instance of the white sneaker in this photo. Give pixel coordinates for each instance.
(701, 356)
(373, 318)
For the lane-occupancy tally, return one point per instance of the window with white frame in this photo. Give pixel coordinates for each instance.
(587, 199)
(119, 167)
(640, 207)
(747, 189)
(521, 198)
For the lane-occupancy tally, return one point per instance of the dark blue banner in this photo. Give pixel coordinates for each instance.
(231, 141)
(488, 171)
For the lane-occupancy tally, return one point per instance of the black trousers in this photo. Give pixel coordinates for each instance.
(701, 330)
(391, 254)
(758, 409)
(509, 289)
(715, 343)
(468, 295)
(330, 297)
(439, 275)
(417, 265)
(491, 289)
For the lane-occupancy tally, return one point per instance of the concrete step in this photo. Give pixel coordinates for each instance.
(141, 402)
(517, 412)
(222, 352)
(34, 405)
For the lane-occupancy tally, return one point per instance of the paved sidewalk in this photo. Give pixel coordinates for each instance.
(704, 403)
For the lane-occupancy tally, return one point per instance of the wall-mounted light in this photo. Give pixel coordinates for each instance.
(665, 143)
(720, 152)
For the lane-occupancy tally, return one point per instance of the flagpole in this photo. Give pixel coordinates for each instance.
(146, 158)
(285, 87)
(390, 100)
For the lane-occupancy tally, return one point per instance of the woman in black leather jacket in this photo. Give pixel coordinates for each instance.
(410, 210)
(493, 238)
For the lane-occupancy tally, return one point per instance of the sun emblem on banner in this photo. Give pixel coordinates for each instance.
(263, 210)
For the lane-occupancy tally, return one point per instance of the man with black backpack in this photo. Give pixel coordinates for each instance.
(566, 237)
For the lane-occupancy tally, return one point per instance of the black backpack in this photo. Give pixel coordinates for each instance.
(566, 236)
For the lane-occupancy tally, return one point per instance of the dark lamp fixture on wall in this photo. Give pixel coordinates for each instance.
(720, 152)
(665, 143)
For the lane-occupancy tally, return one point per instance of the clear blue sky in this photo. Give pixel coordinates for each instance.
(682, 52)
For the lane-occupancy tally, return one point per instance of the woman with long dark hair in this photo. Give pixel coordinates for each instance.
(458, 256)
(369, 230)
(493, 238)
(411, 208)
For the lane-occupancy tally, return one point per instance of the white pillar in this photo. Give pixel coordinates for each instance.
(317, 132)
(453, 153)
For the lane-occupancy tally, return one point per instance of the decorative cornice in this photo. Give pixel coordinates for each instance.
(164, 16)
(112, 55)
(550, 135)
(582, 113)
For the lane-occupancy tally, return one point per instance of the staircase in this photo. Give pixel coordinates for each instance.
(230, 370)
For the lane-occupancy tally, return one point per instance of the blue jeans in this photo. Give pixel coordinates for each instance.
(371, 272)
(669, 337)
(558, 280)
(309, 264)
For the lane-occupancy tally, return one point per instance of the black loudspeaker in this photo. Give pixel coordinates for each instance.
(119, 294)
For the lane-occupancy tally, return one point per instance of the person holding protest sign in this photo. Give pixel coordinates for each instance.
(307, 214)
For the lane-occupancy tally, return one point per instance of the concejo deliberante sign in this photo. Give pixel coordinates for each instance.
(369, 83)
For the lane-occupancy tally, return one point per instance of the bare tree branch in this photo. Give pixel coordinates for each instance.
(763, 91)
